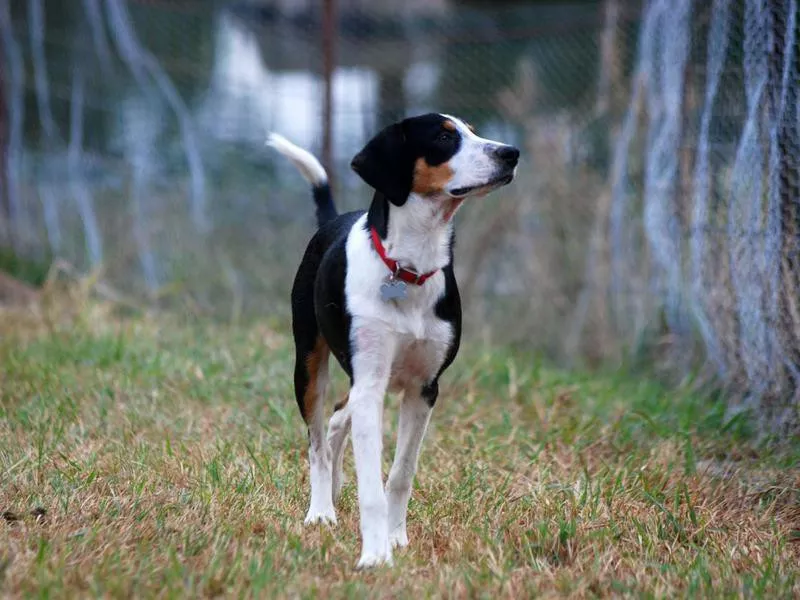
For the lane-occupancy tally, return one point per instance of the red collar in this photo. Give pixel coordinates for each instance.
(406, 275)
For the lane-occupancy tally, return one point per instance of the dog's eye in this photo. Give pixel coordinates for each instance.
(445, 137)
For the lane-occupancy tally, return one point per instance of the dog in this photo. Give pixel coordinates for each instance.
(376, 289)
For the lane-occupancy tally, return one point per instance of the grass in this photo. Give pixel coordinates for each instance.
(141, 456)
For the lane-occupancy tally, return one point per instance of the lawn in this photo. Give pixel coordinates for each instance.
(148, 456)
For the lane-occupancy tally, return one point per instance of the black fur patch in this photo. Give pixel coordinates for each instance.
(318, 305)
(386, 163)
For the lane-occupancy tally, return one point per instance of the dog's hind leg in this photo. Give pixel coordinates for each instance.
(338, 430)
(415, 412)
(311, 383)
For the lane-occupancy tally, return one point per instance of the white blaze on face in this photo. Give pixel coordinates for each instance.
(476, 164)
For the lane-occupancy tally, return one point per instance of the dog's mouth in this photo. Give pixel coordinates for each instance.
(496, 182)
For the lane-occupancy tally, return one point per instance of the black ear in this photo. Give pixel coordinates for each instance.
(386, 164)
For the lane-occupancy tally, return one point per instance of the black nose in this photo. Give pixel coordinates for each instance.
(508, 154)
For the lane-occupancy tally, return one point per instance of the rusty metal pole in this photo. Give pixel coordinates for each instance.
(6, 229)
(328, 64)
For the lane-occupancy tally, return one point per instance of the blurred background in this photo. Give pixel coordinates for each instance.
(655, 220)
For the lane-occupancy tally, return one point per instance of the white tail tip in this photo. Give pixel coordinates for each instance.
(308, 165)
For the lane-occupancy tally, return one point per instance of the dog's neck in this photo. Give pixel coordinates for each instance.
(418, 235)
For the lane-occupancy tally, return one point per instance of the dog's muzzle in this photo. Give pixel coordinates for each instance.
(507, 157)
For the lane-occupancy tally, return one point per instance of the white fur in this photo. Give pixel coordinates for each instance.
(475, 163)
(398, 344)
(308, 165)
(338, 430)
(366, 272)
(414, 416)
(418, 236)
(373, 352)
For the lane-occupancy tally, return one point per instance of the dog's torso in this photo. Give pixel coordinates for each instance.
(341, 276)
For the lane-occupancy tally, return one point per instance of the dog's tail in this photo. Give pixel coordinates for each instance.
(311, 169)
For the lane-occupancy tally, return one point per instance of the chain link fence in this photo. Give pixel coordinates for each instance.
(656, 212)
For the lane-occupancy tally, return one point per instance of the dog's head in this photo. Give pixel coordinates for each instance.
(436, 156)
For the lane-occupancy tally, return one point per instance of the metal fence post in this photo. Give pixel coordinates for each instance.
(328, 64)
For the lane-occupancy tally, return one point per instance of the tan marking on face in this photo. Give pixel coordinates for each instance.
(430, 180)
(313, 363)
(449, 125)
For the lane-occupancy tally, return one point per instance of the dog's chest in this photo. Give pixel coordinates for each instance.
(417, 337)
(413, 315)
(418, 360)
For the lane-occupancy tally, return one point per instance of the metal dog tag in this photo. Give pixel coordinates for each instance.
(394, 289)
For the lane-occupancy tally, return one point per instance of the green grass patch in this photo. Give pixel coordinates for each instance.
(146, 457)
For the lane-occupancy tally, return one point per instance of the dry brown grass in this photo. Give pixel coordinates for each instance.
(148, 458)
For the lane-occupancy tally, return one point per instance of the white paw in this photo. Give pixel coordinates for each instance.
(325, 516)
(399, 538)
(369, 560)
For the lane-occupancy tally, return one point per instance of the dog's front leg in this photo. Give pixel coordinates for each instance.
(372, 361)
(415, 412)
